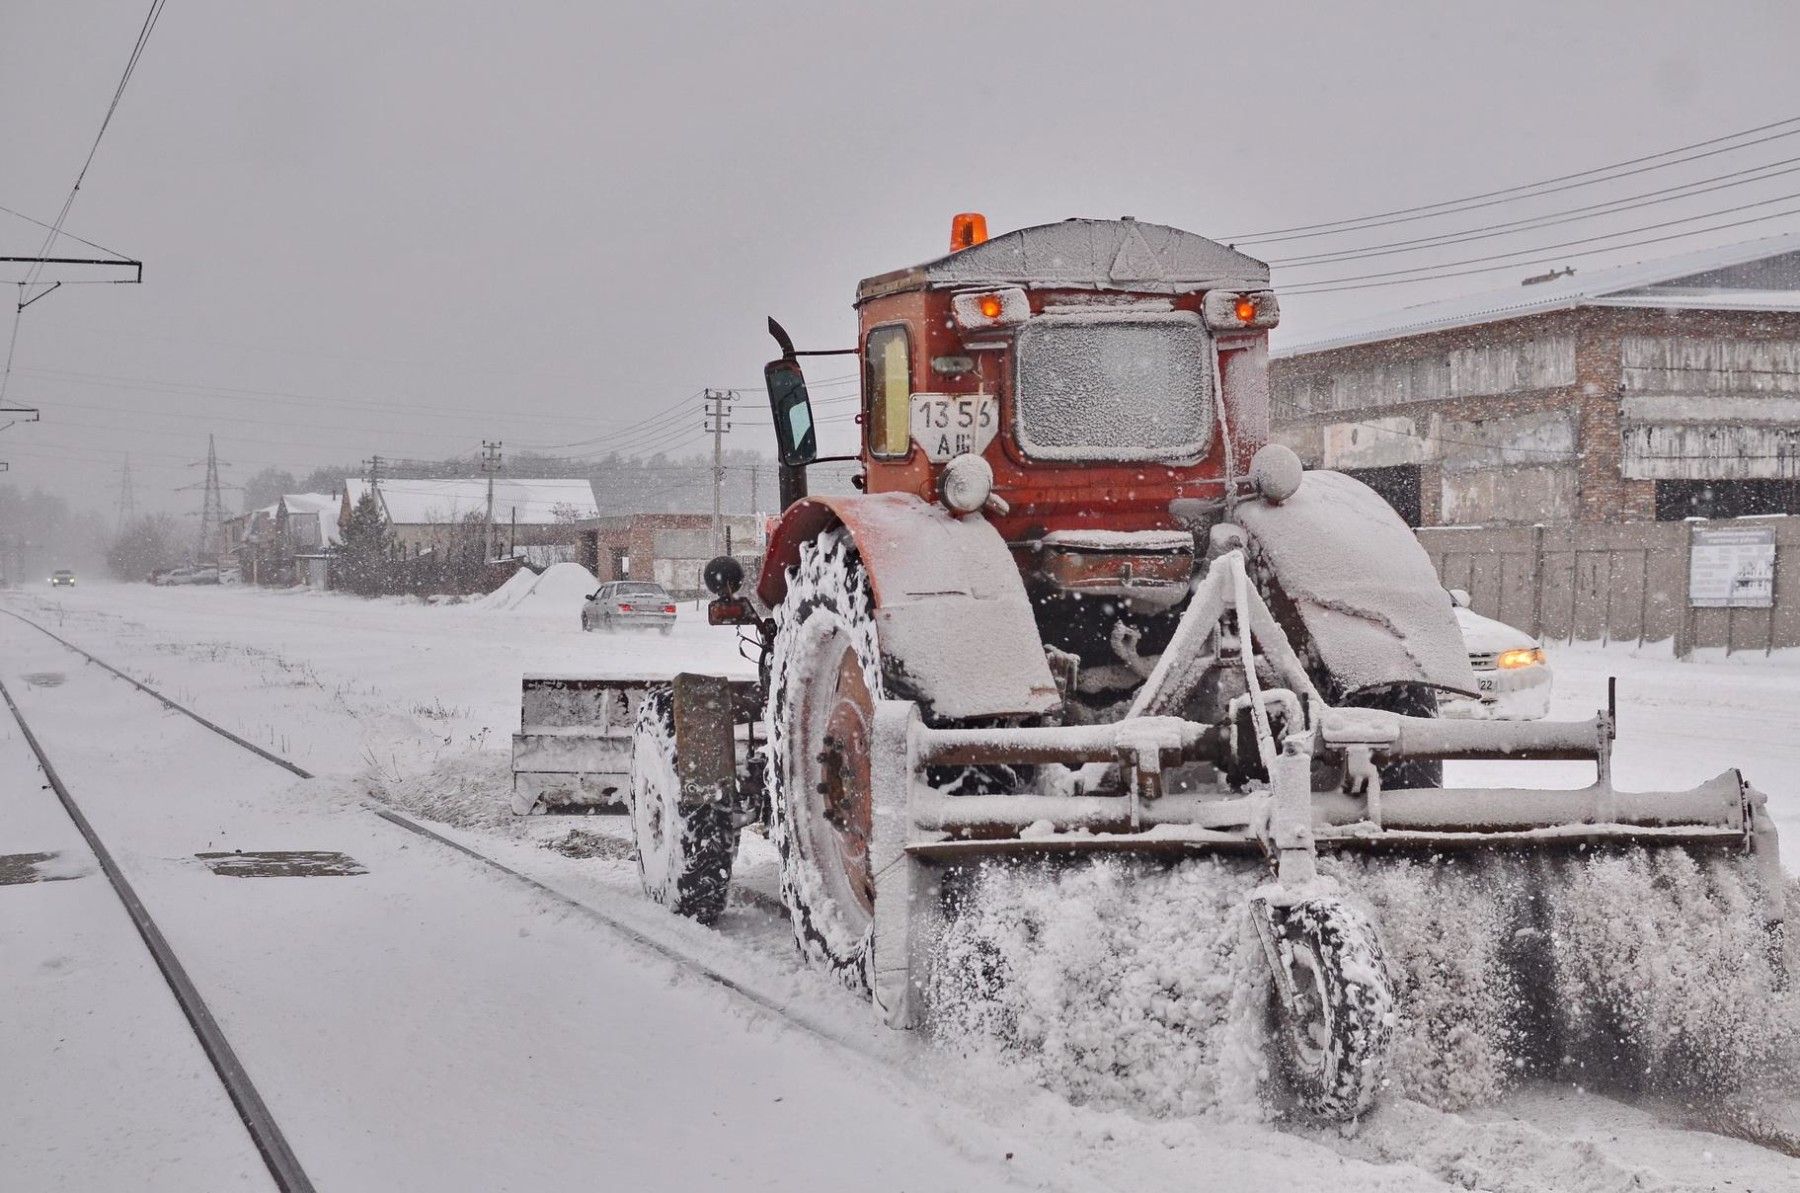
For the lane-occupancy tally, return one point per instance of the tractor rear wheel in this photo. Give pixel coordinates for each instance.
(684, 855)
(1333, 1041)
(825, 678)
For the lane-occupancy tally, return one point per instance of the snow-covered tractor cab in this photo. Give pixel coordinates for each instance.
(1080, 604)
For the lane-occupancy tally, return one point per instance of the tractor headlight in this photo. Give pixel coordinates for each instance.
(1231, 311)
(1512, 660)
(967, 483)
(981, 310)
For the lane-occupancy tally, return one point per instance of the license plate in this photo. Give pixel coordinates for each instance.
(947, 425)
(1484, 683)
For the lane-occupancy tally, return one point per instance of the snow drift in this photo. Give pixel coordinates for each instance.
(560, 591)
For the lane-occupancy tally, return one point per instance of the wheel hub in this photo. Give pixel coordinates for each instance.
(842, 789)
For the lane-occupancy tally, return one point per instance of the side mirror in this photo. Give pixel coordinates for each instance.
(1459, 597)
(791, 409)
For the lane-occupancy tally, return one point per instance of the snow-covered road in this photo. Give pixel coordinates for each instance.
(428, 1025)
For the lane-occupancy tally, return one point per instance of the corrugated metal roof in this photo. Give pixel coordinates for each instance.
(1605, 287)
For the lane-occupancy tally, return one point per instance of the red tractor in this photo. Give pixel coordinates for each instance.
(1081, 604)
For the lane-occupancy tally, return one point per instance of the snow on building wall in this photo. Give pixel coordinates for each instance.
(1660, 390)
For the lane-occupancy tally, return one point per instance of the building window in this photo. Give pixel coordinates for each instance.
(1676, 500)
(887, 364)
(1398, 486)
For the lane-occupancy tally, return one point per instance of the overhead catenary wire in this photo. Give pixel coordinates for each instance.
(33, 275)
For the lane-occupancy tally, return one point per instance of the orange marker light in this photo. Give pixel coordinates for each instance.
(991, 306)
(1245, 309)
(967, 229)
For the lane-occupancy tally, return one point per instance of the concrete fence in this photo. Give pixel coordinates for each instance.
(1609, 583)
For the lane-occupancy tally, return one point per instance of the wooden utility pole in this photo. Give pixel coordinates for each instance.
(718, 409)
(490, 464)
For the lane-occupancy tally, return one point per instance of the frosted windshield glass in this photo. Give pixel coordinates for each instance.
(1129, 389)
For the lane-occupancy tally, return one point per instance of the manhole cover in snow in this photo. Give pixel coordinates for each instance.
(45, 679)
(281, 863)
(19, 868)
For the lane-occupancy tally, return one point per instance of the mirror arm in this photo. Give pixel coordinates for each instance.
(786, 343)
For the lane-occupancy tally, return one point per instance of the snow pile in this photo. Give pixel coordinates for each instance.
(518, 586)
(1127, 984)
(562, 590)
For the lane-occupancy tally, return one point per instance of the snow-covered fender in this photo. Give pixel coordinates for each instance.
(955, 626)
(1343, 562)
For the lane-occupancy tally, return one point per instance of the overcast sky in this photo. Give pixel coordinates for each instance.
(402, 228)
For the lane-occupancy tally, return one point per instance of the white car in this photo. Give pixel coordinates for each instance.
(1510, 668)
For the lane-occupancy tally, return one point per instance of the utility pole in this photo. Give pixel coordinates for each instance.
(718, 410)
(754, 508)
(126, 513)
(490, 464)
(373, 464)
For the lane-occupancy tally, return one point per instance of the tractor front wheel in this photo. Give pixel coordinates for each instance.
(825, 678)
(684, 854)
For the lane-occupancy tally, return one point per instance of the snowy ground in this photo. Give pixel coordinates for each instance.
(428, 1025)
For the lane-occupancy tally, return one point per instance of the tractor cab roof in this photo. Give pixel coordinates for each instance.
(1079, 254)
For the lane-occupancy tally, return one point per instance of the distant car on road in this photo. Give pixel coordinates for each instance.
(62, 578)
(629, 604)
(188, 575)
(1510, 669)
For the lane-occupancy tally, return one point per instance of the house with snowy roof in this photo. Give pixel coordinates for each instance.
(1656, 391)
(423, 515)
(286, 541)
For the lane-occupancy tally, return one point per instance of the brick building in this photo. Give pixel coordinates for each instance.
(670, 549)
(1657, 391)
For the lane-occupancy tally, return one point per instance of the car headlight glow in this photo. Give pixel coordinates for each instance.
(1512, 660)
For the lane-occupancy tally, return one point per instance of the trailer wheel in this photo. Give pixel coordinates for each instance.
(825, 677)
(684, 857)
(1333, 1044)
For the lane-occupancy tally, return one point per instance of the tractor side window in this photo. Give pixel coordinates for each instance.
(887, 379)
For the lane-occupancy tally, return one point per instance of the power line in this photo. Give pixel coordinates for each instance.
(1331, 285)
(1505, 194)
(1532, 223)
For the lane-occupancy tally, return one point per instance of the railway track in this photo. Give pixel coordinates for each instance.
(667, 949)
(285, 1167)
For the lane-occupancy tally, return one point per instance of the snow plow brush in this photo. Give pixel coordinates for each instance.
(1331, 984)
(1284, 777)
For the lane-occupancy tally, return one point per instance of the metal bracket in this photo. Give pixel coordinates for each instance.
(705, 749)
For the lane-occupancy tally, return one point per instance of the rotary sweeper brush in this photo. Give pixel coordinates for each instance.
(1080, 605)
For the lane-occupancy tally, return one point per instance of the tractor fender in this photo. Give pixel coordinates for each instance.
(955, 627)
(1346, 566)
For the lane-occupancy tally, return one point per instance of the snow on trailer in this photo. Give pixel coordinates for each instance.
(1081, 607)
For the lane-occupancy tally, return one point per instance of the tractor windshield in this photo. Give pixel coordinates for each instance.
(1114, 387)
